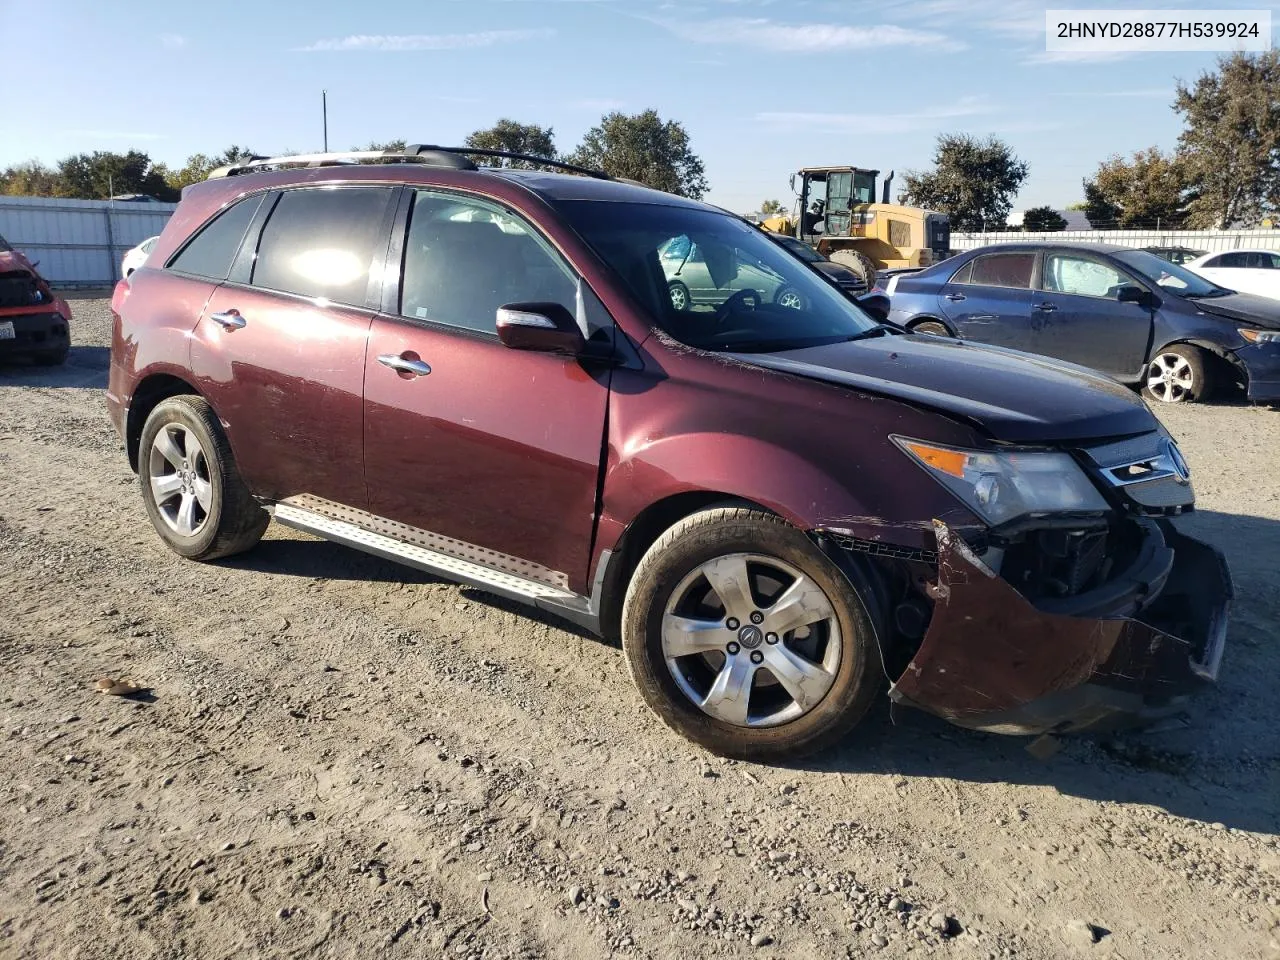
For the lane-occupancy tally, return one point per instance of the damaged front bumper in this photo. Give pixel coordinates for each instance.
(993, 660)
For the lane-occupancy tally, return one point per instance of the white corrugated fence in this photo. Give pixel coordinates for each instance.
(1210, 241)
(79, 243)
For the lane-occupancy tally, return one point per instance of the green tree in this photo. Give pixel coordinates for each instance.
(1230, 144)
(974, 181)
(644, 148)
(1043, 220)
(1144, 191)
(102, 174)
(199, 166)
(384, 145)
(29, 179)
(771, 207)
(512, 137)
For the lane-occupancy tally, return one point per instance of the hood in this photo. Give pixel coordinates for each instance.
(1012, 396)
(840, 273)
(13, 261)
(1259, 311)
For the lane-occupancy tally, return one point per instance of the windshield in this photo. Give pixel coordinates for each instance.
(713, 281)
(1170, 276)
(800, 249)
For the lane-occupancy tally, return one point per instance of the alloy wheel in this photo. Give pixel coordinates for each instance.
(791, 300)
(679, 298)
(178, 472)
(1170, 378)
(751, 640)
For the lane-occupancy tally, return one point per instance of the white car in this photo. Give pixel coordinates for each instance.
(137, 256)
(1248, 271)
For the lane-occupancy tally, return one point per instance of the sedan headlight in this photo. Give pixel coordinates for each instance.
(1260, 336)
(1004, 486)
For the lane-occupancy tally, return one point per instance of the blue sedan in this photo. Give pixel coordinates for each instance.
(1142, 320)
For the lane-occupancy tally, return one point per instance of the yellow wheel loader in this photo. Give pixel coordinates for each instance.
(837, 214)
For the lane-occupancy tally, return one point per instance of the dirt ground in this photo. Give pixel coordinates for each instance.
(341, 757)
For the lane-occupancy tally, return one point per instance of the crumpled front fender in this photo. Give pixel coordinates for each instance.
(991, 660)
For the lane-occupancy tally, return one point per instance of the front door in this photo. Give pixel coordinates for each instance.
(1077, 316)
(279, 351)
(497, 449)
(989, 299)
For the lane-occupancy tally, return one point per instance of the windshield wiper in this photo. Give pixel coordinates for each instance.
(879, 329)
(1219, 292)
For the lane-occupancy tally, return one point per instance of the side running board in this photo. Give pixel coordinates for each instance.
(555, 599)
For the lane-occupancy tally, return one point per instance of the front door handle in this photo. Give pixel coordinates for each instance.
(956, 296)
(400, 364)
(228, 319)
(1047, 307)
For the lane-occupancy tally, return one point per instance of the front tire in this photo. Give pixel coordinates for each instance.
(1179, 374)
(746, 639)
(931, 327)
(192, 491)
(789, 297)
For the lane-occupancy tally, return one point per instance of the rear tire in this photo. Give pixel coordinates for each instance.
(679, 294)
(823, 646)
(192, 491)
(930, 326)
(1180, 373)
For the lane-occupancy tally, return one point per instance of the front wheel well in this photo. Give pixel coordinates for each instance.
(1225, 364)
(916, 321)
(149, 394)
(641, 534)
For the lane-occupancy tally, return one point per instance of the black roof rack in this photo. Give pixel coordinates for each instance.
(457, 158)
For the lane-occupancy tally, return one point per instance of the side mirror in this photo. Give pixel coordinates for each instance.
(544, 327)
(875, 304)
(793, 183)
(1136, 294)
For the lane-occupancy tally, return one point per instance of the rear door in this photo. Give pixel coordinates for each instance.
(280, 348)
(1077, 317)
(989, 299)
(496, 449)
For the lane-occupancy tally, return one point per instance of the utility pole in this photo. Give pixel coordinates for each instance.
(324, 110)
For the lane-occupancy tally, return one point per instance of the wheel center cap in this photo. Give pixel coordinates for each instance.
(750, 636)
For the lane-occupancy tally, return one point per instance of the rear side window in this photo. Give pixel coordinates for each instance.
(210, 254)
(322, 243)
(1002, 270)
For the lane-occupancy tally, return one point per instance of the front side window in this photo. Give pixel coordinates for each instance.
(321, 242)
(1082, 277)
(1003, 270)
(209, 255)
(465, 258)
(1169, 276)
(750, 296)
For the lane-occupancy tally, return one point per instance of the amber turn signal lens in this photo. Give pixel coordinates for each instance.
(948, 461)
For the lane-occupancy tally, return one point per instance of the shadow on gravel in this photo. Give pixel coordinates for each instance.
(85, 368)
(1219, 763)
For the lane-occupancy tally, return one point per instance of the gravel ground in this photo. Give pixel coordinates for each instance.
(343, 757)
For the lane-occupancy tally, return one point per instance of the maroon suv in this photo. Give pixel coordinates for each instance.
(479, 372)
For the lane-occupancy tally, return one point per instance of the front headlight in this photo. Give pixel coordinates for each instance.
(1260, 336)
(1004, 486)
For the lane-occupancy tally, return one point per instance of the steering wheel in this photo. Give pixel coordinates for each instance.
(726, 309)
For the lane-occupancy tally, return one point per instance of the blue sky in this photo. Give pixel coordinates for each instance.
(762, 87)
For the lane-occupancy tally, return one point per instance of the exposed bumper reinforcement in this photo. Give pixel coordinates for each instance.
(991, 660)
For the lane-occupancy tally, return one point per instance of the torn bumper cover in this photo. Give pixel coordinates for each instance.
(991, 660)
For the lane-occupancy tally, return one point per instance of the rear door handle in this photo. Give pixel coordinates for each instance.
(1046, 307)
(956, 296)
(229, 319)
(416, 368)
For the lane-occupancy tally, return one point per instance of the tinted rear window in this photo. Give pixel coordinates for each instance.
(211, 252)
(321, 242)
(1003, 270)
